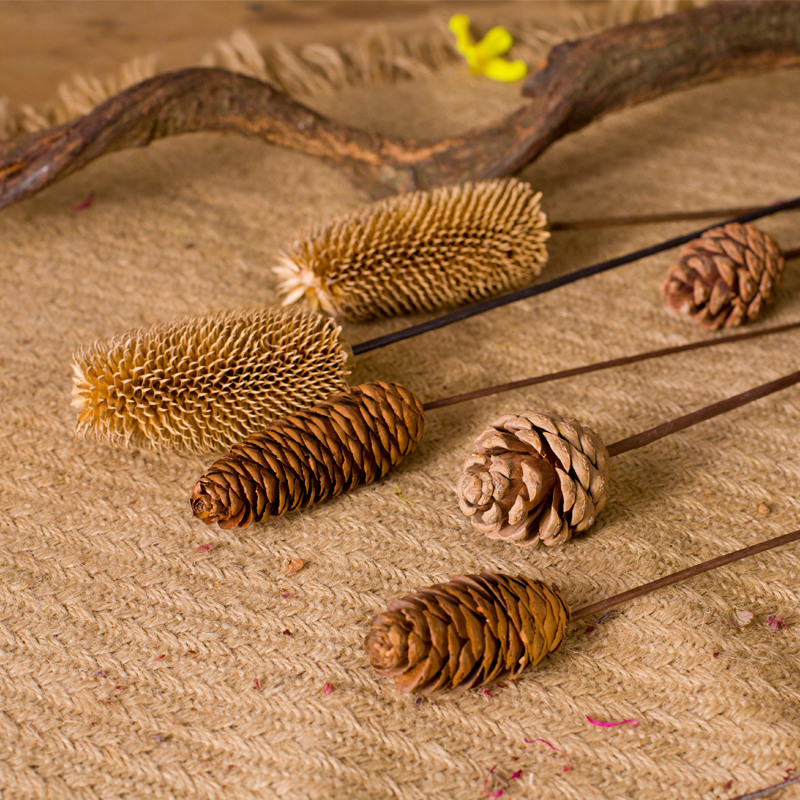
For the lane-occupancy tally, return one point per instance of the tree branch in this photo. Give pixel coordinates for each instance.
(581, 81)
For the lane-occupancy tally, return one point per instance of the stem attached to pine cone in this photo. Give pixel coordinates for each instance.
(702, 414)
(682, 575)
(603, 365)
(562, 280)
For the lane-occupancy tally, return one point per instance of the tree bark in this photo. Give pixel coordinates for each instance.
(582, 80)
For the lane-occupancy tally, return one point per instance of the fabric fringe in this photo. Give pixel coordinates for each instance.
(314, 69)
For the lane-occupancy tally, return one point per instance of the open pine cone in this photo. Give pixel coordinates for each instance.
(419, 251)
(534, 478)
(725, 277)
(352, 438)
(466, 633)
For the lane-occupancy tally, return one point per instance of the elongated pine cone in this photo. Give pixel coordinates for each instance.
(420, 251)
(725, 277)
(352, 438)
(200, 384)
(466, 633)
(534, 478)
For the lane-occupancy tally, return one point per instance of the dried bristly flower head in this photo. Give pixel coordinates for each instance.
(200, 384)
(725, 277)
(467, 632)
(420, 251)
(534, 478)
(350, 439)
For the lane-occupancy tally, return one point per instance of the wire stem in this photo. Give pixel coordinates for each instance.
(690, 572)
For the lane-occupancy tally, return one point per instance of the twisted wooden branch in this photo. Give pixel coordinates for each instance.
(581, 81)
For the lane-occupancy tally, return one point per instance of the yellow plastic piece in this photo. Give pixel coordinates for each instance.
(484, 58)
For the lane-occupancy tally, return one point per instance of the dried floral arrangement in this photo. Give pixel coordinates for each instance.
(534, 478)
(203, 383)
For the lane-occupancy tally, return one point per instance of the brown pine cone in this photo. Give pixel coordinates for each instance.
(534, 478)
(466, 633)
(725, 277)
(352, 438)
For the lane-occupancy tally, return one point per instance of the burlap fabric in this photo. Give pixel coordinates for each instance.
(137, 662)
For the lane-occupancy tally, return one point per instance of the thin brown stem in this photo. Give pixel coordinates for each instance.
(682, 575)
(702, 414)
(649, 219)
(603, 365)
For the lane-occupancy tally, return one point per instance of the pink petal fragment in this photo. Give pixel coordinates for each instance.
(632, 722)
(486, 789)
(86, 203)
(517, 774)
(204, 548)
(327, 688)
(257, 683)
(775, 622)
(486, 692)
(286, 595)
(553, 747)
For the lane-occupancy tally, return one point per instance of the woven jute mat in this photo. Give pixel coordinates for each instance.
(134, 665)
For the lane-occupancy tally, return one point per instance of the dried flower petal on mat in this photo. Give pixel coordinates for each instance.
(352, 438)
(740, 617)
(202, 383)
(534, 478)
(466, 633)
(725, 277)
(420, 251)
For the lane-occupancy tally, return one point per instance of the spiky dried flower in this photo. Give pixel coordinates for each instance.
(202, 383)
(420, 251)
(534, 478)
(725, 277)
(350, 439)
(466, 633)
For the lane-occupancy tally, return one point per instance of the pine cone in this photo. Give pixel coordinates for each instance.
(200, 384)
(725, 277)
(534, 478)
(466, 633)
(352, 438)
(420, 251)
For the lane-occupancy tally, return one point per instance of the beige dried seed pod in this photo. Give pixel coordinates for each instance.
(419, 252)
(725, 277)
(534, 478)
(350, 439)
(466, 633)
(200, 384)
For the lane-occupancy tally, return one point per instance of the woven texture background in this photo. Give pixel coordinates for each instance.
(132, 665)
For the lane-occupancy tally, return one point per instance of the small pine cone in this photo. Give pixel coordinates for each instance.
(466, 633)
(352, 438)
(534, 478)
(200, 384)
(420, 251)
(725, 277)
